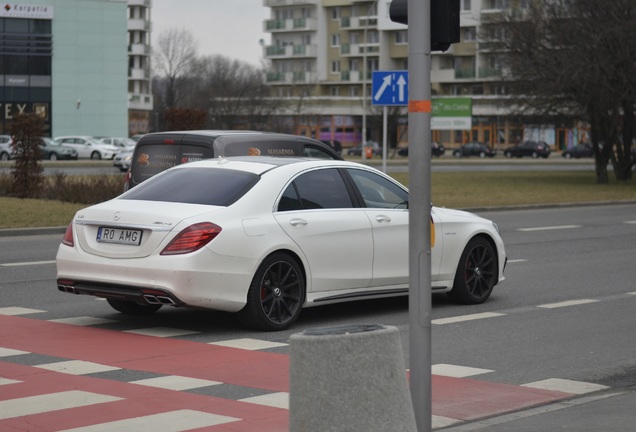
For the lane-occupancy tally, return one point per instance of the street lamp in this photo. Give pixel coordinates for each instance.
(370, 9)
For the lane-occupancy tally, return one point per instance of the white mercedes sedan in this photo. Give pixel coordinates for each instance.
(265, 237)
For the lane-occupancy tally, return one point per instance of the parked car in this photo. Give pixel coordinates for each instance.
(88, 147)
(6, 152)
(437, 149)
(265, 237)
(474, 149)
(334, 144)
(578, 151)
(52, 150)
(122, 160)
(124, 144)
(357, 150)
(533, 149)
(156, 152)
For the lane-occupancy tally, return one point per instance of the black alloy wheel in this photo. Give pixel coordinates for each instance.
(132, 308)
(476, 273)
(276, 294)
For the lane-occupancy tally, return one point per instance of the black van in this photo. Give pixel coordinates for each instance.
(156, 152)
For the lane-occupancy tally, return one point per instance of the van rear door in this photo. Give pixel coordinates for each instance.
(156, 153)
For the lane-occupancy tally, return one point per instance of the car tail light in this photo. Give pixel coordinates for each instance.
(192, 238)
(68, 236)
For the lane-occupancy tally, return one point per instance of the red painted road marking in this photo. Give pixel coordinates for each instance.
(468, 399)
(257, 369)
(457, 398)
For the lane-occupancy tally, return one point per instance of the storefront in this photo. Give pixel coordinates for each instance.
(26, 46)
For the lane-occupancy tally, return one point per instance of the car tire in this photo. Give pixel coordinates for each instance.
(96, 155)
(53, 156)
(4, 156)
(508, 155)
(276, 294)
(535, 155)
(482, 155)
(476, 273)
(132, 308)
(457, 154)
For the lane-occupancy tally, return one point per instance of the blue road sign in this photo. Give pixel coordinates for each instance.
(390, 88)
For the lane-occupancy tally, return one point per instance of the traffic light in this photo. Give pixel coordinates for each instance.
(444, 21)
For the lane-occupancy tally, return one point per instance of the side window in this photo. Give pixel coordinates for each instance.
(377, 191)
(289, 201)
(314, 152)
(321, 189)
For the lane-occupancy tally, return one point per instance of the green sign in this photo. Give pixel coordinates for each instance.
(452, 107)
(452, 114)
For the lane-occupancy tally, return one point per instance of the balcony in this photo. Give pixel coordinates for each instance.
(305, 51)
(489, 72)
(291, 77)
(290, 25)
(465, 73)
(290, 51)
(353, 76)
(442, 75)
(138, 49)
(357, 23)
(358, 50)
(138, 24)
(139, 74)
(137, 101)
(275, 3)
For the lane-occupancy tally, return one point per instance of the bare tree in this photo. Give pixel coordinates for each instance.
(575, 59)
(173, 58)
(232, 91)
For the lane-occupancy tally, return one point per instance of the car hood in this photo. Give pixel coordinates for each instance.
(155, 220)
(456, 214)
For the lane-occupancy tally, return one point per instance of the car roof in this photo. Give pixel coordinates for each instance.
(261, 164)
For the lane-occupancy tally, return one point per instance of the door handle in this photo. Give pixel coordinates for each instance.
(297, 221)
(382, 218)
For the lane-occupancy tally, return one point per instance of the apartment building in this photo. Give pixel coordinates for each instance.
(323, 53)
(140, 101)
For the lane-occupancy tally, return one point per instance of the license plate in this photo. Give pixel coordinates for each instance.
(119, 236)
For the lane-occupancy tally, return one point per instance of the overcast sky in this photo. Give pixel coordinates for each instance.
(231, 28)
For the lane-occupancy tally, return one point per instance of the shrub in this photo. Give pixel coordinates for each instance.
(26, 132)
(73, 189)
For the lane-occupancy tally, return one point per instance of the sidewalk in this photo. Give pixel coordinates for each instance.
(608, 411)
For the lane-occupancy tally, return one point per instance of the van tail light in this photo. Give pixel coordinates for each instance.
(192, 238)
(68, 236)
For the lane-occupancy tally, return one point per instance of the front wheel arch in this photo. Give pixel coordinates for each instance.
(477, 271)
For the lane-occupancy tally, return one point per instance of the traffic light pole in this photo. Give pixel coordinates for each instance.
(419, 123)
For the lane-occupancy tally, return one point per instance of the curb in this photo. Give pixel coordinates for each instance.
(22, 232)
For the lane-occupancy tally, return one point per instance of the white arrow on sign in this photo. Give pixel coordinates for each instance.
(386, 82)
(401, 84)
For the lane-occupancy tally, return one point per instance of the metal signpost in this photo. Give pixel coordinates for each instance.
(419, 119)
(389, 88)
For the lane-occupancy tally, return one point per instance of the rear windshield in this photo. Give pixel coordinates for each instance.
(153, 159)
(264, 148)
(219, 187)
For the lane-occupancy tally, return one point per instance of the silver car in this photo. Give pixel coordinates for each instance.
(88, 147)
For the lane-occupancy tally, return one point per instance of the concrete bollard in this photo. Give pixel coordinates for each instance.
(350, 379)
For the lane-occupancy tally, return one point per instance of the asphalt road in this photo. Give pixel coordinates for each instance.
(565, 311)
